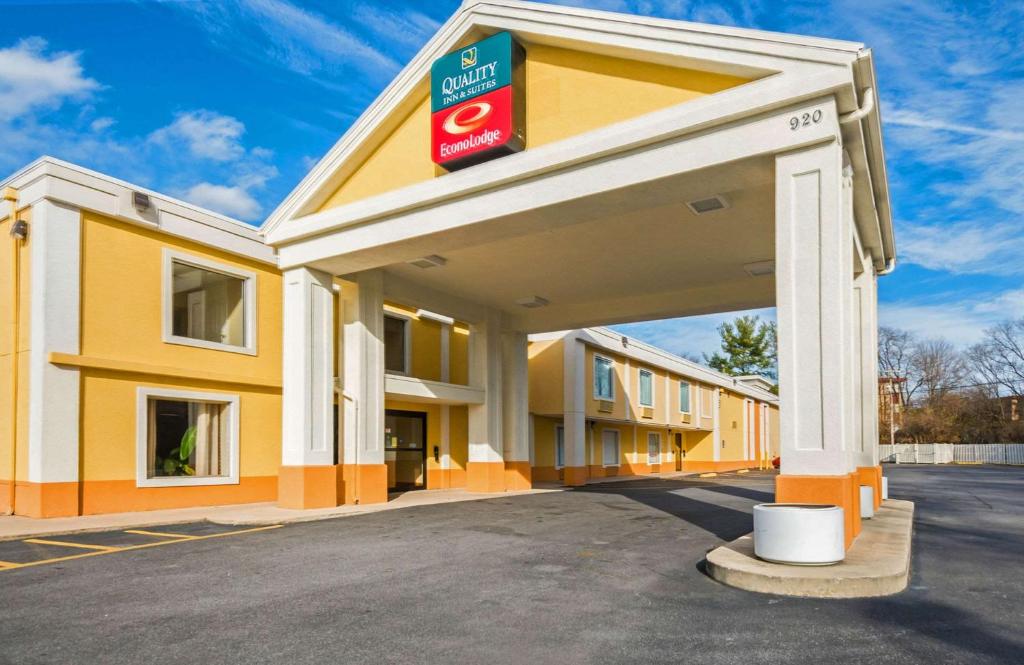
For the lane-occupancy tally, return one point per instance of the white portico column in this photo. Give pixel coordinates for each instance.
(485, 471)
(865, 326)
(308, 475)
(515, 411)
(574, 408)
(814, 246)
(365, 473)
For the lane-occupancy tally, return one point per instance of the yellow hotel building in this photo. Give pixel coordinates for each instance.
(140, 317)
(391, 324)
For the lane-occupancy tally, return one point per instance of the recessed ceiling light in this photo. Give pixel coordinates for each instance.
(431, 261)
(760, 268)
(702, 206)
(532, 302)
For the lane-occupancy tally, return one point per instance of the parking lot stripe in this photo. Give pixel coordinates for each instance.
(169, 541)
(160, 534)
(61, 543)
(8, 564)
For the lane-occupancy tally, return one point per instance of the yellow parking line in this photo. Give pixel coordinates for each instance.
(63, 543)
(138, 547)
(161, 534)
(8, 564)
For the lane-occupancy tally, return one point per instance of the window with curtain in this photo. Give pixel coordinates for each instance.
(187, 438)
(604, 378)
(646, 388)
(208, 305)
(684, 397)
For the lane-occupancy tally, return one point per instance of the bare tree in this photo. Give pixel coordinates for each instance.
(998, 359)
(895, 359)
(938, 368)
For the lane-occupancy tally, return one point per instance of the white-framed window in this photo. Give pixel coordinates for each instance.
(559, 446)
(646, 387)
(684, 397)
(397, 344)
(185, 437)
(653, 448)
(604, 378)
(208, 304)
(610, 447)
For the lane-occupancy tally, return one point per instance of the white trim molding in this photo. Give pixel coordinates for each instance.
(249, 299)
(143, 395)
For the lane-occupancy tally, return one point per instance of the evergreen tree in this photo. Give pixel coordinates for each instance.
(749, 346)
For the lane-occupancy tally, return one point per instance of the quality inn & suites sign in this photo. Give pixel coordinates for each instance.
(477, 102)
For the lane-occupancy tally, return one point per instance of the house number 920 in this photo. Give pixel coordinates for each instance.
(805, 120)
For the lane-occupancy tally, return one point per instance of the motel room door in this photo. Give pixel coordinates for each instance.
(679, 451)
(405, 449)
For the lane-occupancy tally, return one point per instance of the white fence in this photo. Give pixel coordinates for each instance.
(948, 453)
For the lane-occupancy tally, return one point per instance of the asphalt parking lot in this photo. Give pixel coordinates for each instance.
(607, 574)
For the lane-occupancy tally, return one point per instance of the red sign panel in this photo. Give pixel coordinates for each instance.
(473, 126)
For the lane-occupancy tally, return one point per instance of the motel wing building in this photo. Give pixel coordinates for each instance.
(534, 168)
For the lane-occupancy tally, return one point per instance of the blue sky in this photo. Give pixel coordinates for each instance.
(227, 103)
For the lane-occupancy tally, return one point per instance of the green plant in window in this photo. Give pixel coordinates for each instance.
(176, 463)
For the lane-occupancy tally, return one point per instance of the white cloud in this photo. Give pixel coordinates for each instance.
(101, 124)
(233, 201)
(962, 322)
(206, 134)
(989, 248)
(409, 27)
(32, 79)
(299, 39)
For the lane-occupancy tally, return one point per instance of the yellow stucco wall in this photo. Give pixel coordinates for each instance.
(122, 267)
(546, 363)
(567, 93)
(7, 250)
(122, 296)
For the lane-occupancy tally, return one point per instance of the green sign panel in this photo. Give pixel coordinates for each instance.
(472, 71)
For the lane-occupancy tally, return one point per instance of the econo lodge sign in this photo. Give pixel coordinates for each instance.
(477, 102)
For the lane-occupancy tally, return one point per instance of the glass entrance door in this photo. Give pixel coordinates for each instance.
(405, 449)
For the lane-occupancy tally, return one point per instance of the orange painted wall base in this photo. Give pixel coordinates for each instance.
(841, 491)
(574, 476)
(485, 476)
(46, 499)
(518, 476)
(99, 497)
(303, 487)
(872, 475)
(546, 474)
(363, 483)
(118, 496)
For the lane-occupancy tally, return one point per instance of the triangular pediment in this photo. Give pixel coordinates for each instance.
(584, 70)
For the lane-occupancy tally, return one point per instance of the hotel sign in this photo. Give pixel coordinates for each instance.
(477, 102)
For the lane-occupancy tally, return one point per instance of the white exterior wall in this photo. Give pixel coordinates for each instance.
(485, 365)
(307, 437)
(363, 370)
(515, 409)
(574, 378)
(55, 245)
(814, 292)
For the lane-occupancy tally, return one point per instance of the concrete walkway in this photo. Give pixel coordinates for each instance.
(14, 527)
(877, 564)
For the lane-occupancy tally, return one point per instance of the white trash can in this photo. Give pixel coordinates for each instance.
(885, 488)
(867, 502)
(799, 533)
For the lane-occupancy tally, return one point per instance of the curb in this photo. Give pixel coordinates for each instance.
(877, 564)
